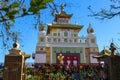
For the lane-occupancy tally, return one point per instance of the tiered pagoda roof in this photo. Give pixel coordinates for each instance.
(62, 14)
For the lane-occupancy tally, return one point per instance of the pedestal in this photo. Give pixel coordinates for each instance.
(13, 67)
(112, 65)
(13, 64)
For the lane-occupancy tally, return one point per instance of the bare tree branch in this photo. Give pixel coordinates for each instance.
(113, 11)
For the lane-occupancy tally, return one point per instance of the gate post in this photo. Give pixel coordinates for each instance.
(111, 63)
(14, 64)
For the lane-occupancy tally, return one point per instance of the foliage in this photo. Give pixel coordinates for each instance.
(63, 73)
(113, 11)
(10, 10)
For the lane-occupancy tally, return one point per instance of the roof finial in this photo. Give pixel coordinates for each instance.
(112, 48)
(16, 44)
(104, 49)
(62, 7)
(90, 25)
(90, 29)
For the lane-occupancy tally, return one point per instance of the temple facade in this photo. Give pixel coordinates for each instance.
(62, 38)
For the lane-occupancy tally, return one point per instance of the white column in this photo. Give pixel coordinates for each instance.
(50, 54)
(84, 55)
(45, 39)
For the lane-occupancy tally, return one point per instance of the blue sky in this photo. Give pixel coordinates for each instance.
(105, 30)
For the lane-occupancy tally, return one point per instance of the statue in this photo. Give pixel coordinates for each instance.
(112, 48)
(60, 58)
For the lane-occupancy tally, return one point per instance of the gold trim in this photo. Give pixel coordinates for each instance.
(64, 26)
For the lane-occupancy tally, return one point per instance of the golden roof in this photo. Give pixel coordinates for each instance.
(25, 55)
(104, 53)
(72, 26)
(65, 26)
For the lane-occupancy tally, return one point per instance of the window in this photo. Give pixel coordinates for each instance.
(80, 51)
(42, 39)
(54, 34)
(75, 40)
(86, 40)
(54, 40)
(75, 62)
(70, 40)
(65, 33)
(41, 49)
(63, 20)
(72, 35)
(92, 40)
(80, 40)
(58, 34)
(94, 49)
(49, 40)
(58, 40)
(68, 62)
(65, 40)
(75, 35)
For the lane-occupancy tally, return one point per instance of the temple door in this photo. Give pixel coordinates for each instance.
(68, 60)
(75, 60)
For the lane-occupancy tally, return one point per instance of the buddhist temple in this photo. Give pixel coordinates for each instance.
(62, 38)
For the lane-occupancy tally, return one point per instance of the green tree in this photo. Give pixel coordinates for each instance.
(114, 10)
(10, 10)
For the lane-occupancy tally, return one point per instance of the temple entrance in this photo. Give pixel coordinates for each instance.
(70, 58)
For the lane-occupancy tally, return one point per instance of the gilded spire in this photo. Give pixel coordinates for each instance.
(16, 44)
(62, 14)
(62, 10)
(62, 7)
(90, 29)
